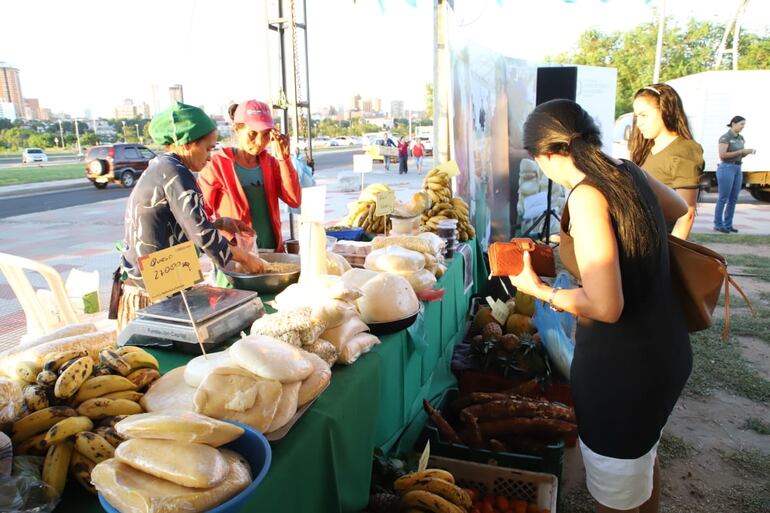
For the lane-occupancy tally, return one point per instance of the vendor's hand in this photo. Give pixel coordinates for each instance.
(233, 226)
(253, 264)
(527, 281)
(281, 145)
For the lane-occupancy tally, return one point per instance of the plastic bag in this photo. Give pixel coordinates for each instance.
(355, 347)
(395, 259)
(305, 174)
(420, 280)
(556, 329)
(184, 426)
(83, 290)
(387, 297)
(11, 401)
(25, 491)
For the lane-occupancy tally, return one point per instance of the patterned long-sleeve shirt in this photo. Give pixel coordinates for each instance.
(165, 209)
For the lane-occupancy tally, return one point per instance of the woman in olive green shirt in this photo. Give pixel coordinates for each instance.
(662, 145)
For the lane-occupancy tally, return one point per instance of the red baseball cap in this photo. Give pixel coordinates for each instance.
(256, 115)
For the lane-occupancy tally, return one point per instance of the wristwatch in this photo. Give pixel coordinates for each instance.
(553, 296)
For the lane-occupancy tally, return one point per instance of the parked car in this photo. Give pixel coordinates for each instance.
(343, 140)
(121, 164)
(321, 142)
(33, 155)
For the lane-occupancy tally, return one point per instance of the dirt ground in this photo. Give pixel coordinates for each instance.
(715, 452)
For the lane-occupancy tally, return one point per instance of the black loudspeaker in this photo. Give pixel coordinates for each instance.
(556, 83)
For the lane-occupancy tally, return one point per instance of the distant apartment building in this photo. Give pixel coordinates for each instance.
(8, 111)
(355, 102)
(397, 109)
(145, 111)
(376, 104)
(10, 88)
(126, 110)
(175, 93)
(31, 108)
(46, 115)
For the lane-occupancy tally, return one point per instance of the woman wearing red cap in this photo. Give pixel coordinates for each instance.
(246, 182)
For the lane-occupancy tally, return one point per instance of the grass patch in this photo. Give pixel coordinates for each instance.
(37, 174)
(749, 240)
(759, 266)
(717, 364)
(758, 326)
(756, 425)
(752, 462)
(673, 447)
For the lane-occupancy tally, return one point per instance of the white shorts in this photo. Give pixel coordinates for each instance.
(619, 484)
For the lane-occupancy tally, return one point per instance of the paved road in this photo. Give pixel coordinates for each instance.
(87, 194)
(57, 159)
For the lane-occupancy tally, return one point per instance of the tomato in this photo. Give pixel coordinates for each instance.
(519, 506)
(489, 499)
(532, 508)
(473, 494)
(487, 508)
(502, 503)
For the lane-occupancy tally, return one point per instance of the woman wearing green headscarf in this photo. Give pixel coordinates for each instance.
(166, 208)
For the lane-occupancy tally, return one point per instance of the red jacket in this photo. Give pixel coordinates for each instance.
(224, 197)
(418, 150)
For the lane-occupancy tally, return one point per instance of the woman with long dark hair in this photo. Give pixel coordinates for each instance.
(729, 174)
(632, 352)
(662, 144)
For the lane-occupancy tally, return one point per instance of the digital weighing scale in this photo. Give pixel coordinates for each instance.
(219, 315)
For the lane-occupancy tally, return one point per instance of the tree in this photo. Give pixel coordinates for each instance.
(89, 139)
(40, 140)
(429, 100)
(5, 123)
(687, 49)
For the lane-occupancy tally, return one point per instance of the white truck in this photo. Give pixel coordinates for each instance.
(711, 99)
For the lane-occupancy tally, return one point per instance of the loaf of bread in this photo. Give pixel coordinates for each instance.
(183, 426)
(170, 392)
(271, 359)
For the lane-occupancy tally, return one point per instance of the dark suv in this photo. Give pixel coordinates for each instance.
(117, 163)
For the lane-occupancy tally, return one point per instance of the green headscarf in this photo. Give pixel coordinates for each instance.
(180, 124)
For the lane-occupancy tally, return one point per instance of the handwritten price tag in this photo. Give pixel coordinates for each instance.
(385, 202)
(450, 168)
(423, 463)
(499, 310)
(170, 270)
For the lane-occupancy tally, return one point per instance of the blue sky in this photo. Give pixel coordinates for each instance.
(89, 54)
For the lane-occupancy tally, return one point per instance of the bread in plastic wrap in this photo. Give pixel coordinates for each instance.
(179, 425)
(313, 385)
(199, 367)
(287, 406)
(336, 264)
(394, 259)
(307, 293)
(333, 312)
(355, 347)
(70, 330)
(169, 392)
(183, 463)
(341, 334)
(420, 280)
(11, 401)
(131, 491)
(323, 349)
(409, 242)
(387, 297)
(437, 244)
(271, 358)
(294, 326)
(233, 393)
(356, 278)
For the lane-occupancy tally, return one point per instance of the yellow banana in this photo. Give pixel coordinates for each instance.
(93, 446)
(81, 468)
(100, 386)
(101, 370)
(109, 434)
(128, 349)
(66, 428)
(57, 462)
(72, 377)
(115, 362)
(429, 502)
(32, 445)
(403, 483)
(39, 421)
(27, 371)
(99, 408)
(140, 360)
(35, 397)
(131, 395)
(143, 377)
(435, 187)
(46, 378)
(445, 489)
(111, 421)
(53, 361)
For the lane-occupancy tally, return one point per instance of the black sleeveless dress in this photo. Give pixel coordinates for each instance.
(626, 377)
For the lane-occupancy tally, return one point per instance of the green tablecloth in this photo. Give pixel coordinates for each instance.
(324, 463)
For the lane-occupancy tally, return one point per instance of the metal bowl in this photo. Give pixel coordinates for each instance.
(268, 283)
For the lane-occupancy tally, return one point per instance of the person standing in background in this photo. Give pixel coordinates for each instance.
(386, 158)
(662, 144)
(729, 174)
(403, 155)
(419, 152)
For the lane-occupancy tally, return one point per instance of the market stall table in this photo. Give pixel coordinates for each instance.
(324, 463)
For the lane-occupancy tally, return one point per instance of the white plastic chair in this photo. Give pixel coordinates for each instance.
(40, 320)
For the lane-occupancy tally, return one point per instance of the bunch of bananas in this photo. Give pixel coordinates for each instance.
(439, 187)
(361, 212)
(431, 490)
(67, 397)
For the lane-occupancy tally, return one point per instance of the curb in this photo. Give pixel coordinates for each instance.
(44, 187)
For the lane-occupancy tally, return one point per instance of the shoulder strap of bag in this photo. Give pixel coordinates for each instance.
(728, 281)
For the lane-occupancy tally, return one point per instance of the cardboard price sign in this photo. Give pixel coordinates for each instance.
(170, 270)
(385, 202)
(499, 310)
(450, 168)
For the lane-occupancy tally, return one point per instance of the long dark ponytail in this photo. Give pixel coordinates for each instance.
(671, 108)
(562, 127)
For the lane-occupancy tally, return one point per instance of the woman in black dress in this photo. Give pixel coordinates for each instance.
(632, 352)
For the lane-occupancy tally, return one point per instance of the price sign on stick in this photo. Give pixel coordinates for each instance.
(384, 201)
(450, 168)
(171, 270)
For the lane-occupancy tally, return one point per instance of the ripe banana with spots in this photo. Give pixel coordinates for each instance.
(115, 362)
(56, 465)
(445, 489)
(99, 408)
(27, 371)
(33, 445)
(429, 502)
(403, 483)
(93, 446)
(109, 434)
(140, 360)
(72, 377)
(54, 361)
(131, 395)
(39, 422)
(35, 397)
(81, 468)
(46, 378)
(143, 377)
(100, 386)
(66, 428)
